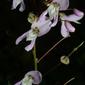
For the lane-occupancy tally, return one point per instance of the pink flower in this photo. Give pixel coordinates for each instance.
(66, 26)
(54, 7)
(32, 77)
(39, 28)
(18, 2)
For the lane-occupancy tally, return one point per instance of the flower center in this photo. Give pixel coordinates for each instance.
(35, 30)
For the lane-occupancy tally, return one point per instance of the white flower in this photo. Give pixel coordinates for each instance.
(18, 2)
(66, 26)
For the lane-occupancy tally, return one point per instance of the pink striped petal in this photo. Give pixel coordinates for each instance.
(64, 4)
(64, 31)
(74, 17)
(30, 46)
(19, 39)
(70, 27)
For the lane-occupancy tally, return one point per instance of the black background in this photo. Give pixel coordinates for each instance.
(15, 61)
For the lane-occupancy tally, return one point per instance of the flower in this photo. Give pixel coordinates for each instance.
(39, 28)
(54, 7)
(34, 77)
(64, 4)
(18, 2)
(66, 26)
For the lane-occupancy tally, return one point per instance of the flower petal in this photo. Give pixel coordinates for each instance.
(19, 39)
(30, 46)
(16, 3)
(70, 27)
(36, 75)
(53, 11)
(43, 24)
(27, 80)
(74, 17)
(31, 35)
(45, 28)
(64, 4)
(22, 7)
(64, 31)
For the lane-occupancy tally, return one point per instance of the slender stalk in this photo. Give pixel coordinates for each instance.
(51, 49)
(69, 80)
(35, 57)
(75, 49)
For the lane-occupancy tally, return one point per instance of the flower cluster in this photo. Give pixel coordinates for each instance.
(42, 25)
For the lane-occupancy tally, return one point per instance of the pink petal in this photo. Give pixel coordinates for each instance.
(36, 75)
(19, 39)
(45, 28)
(74, 17)
(30, 46)
(70, 27)
(64, 31)
(64, 4)
(43, 24)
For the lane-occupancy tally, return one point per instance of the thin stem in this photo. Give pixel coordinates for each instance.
(35, 58)
(69, 80)
(51, 49)
(75, 49)
(52, 69)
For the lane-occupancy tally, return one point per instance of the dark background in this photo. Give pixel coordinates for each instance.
(15, 61)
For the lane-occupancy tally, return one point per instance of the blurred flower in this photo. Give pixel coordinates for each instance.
(17, 3)
(65, 60)
(66, 26)
(32, 77)
(54, 7)
(39, 28)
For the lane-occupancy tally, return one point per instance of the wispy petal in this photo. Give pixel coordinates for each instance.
(64, 30)
(74, 17)
(30, 46)
(70, 27)
(19, 39)
(64, 4)
(36, 75)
